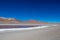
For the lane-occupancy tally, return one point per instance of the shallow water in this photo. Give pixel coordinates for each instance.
(3, 27)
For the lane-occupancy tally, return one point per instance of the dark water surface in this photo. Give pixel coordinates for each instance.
(2, 27)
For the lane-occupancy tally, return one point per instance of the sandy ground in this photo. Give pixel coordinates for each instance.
(49, 33)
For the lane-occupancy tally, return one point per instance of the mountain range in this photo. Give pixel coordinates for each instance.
(4, 20)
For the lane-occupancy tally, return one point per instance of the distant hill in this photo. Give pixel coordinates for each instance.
(8, 20)
(36, 22)
(4, 20)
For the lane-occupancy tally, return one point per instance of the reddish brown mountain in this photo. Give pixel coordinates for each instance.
(8, 20)
(13, 20)
(36, 22)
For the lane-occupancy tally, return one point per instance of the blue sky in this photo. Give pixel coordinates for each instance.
(42, 10)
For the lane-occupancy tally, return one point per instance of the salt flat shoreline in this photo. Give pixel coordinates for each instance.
(47, 33)
(19, 29)
(27, 28)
